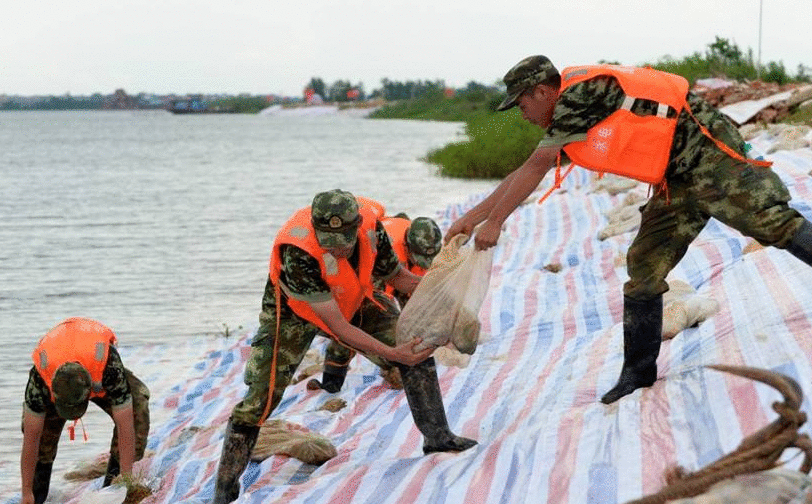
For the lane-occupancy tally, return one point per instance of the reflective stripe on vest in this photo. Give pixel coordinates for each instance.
(625, 143)
(348, 288)
(75, 340)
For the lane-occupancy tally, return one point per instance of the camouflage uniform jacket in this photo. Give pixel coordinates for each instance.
(585, 104)
(114, 382)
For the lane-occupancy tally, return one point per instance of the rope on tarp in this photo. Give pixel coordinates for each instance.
(758, 452)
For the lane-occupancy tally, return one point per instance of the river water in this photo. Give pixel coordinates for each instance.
(160, 226)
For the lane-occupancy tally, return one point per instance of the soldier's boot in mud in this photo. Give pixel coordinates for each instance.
(331, 379)
(42, 481)
(801, 244)
(237, 446)
(426, 403)
(642, 335)
(113, 470)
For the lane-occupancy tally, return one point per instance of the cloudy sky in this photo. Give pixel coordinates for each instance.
(276, 46)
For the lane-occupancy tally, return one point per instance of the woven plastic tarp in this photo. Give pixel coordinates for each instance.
(551, 346)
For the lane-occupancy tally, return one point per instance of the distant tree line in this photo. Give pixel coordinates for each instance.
(723, 58)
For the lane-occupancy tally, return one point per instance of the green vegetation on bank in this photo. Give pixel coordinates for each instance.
(498, 142)
(239, 104)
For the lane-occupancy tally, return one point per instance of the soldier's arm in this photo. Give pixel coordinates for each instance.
(123, 418)
(330, 314)
(466, 224)
(404, 281)
(527, 177)
(32, 433)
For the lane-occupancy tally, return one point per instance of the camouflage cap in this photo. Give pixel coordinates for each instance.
(524, 75)
(424, 240)
(335, 218)
(71, 388)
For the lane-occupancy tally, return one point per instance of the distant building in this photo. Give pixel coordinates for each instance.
(120, 100)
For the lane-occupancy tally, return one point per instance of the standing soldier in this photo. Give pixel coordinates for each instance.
(416, 243)
(321, 274)
(643, 124)
(76, 362)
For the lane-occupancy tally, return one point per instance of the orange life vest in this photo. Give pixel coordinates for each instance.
(349, 289)
(75, 340)
(376, 206)
(396, 228)
(625, 143)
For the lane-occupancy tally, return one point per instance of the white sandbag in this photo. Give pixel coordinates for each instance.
(445, 305)
(683, 308)
(114, 494)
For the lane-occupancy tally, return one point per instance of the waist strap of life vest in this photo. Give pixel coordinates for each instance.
(662, 111)
(72, 430)
(724, 147)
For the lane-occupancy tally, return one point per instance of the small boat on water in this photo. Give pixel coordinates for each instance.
(192, 105)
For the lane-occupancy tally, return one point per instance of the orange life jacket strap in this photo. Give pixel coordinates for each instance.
(558, 177)
(272, 377)
(723, 147)
(72, 430)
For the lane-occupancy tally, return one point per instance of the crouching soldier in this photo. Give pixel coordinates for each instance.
(75, 363)
(321, 279)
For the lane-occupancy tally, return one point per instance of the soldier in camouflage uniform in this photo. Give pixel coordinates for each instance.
(423, 240)
(702, 182)
(126, 400)
(335, 221)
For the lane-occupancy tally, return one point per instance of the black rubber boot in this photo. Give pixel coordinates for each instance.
(113, 470)
(331, 379)
(42, 481)
(642, 335)
(239, 441)
(801, 244)
(426, 402)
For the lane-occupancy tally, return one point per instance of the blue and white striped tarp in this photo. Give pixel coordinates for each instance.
(552, 345)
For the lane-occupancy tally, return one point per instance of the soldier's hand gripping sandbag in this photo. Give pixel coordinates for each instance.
(445, 305)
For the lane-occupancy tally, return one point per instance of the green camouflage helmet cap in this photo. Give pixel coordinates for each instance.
(524, 75)
(424, 240)
(335, 218)
(71, 388)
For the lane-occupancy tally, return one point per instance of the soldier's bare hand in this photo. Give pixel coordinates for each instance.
(463, 225)
(487, 235)
(406, 353)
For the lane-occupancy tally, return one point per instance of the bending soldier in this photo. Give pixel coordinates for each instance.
(321, 279)
(75, 363)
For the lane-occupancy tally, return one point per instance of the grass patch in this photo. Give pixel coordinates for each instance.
(497, 144)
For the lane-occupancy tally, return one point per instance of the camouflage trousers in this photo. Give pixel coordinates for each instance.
(339, 355)
(52, 430)
(295, 337)
(748, 198)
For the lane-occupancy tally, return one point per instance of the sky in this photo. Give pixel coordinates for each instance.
(275, 47)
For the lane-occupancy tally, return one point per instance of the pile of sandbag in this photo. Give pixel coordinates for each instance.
(785, 136)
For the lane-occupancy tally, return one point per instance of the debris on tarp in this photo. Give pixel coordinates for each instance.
(753, 101)
(279, 437)
(87, 471)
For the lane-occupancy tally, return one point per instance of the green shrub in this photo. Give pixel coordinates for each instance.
(498, 143)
